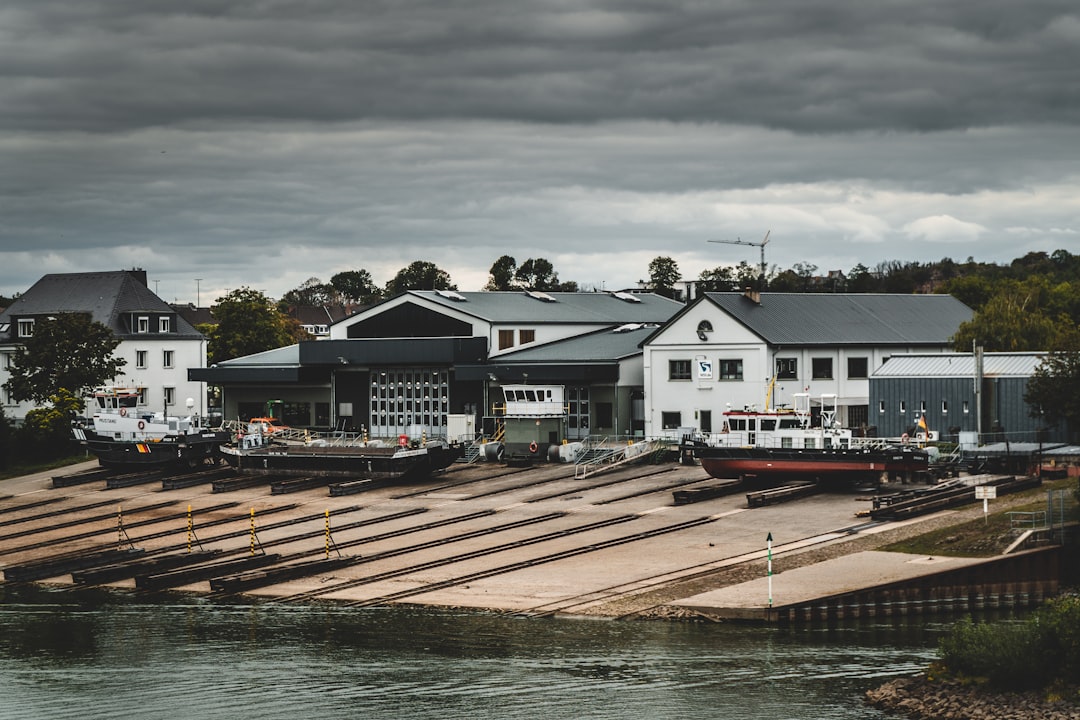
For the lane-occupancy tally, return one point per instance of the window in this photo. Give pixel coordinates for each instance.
(526, 336)
(26, 328)
(167, 358)
(140, 359)
(881, 407)
(143, 325)
(966, 409)
(7, 361)
(731, 370)
(903, 407)
(506, 339)
(858, 368)
(678, 369)
(944, 407)
(787, 368)
(144, 396)
(922, 407)
(170, 396)
(163, 324)
(821, 368)
(671, 420)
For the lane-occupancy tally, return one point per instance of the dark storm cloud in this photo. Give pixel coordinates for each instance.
(806, 66)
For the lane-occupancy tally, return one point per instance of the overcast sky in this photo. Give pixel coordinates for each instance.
(224, 144)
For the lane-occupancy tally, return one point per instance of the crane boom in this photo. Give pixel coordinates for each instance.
(761, 245)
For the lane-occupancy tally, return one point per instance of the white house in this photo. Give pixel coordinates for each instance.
(158, 345)
(732, 350)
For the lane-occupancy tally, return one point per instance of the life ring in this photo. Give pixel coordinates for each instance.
(532, 446)
(142, 424)
(123, 412)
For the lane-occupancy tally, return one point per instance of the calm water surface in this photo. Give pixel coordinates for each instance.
(93, 655)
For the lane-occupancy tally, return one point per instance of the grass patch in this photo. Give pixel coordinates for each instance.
(989, 536)
(20, 470)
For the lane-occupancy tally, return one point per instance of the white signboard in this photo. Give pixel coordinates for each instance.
(704, 368)
(985, 492)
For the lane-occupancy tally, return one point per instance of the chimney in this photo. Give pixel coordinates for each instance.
(752, 295)
(139, 274)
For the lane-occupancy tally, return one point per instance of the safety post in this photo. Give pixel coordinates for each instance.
(189, 528)
(328, 533)
(119, 527)
(252, 531)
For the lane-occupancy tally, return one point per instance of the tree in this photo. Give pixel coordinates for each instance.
(68, 352)
(312, 291)
(1013, 319)
(537, 274)
(248, 323)
(46, 431)
(501, 274)
(1053, 391)
(663, 274)
(719, 279)
(420, 275)
(356, 285)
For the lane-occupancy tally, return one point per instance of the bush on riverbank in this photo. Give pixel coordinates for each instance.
(1041, 652)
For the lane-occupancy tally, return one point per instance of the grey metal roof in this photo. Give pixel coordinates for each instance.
(947, 365)
(589, 307)
(282, 356)
(601, 346)
(846, 319)
(104, 295)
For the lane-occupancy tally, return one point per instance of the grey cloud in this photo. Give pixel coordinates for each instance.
(812, 67)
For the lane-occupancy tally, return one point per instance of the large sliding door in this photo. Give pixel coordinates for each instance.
(409, 401)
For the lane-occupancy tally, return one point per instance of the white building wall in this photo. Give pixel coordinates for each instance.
(155, 376)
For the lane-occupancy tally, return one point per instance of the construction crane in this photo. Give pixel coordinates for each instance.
(761, 245)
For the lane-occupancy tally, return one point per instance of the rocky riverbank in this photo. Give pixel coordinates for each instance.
(923, 699)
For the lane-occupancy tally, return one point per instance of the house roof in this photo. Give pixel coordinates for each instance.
(845, 319)
(104, 295)
(557, 307)
(609, 345)
(950, 365)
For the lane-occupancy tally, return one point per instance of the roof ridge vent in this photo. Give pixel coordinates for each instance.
(451, 295)
(540, 295)
(626, 297)
(628, 327)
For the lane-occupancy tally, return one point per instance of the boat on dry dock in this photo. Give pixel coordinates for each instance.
(255, 452)
(778, 445)
(123, 434)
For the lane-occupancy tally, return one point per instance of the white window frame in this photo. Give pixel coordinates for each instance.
(164, 325)
(144, 397)
(169, 395)
(140, 359)
(26, 327)
(167, 358)
(142, 324)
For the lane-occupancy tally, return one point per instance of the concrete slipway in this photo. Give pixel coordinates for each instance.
(528, 574)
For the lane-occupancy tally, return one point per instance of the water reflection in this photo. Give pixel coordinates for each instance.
(117, 657)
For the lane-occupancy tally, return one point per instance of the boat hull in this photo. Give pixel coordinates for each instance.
(380, 462)
(174, 451)
(783, 464)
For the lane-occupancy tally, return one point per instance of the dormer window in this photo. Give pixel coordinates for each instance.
(143, 325)
(26, 328)
(164, 325)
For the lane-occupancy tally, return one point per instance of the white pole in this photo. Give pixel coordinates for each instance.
(769, 542)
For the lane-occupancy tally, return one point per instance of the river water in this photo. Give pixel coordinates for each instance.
(94, 654)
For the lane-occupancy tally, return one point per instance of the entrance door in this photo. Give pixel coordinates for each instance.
(577, 421)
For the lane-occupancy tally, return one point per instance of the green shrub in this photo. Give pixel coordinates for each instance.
(1006, 654)
(1037, 653)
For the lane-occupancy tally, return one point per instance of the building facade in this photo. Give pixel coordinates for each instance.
(732, 350)
(159, 346)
